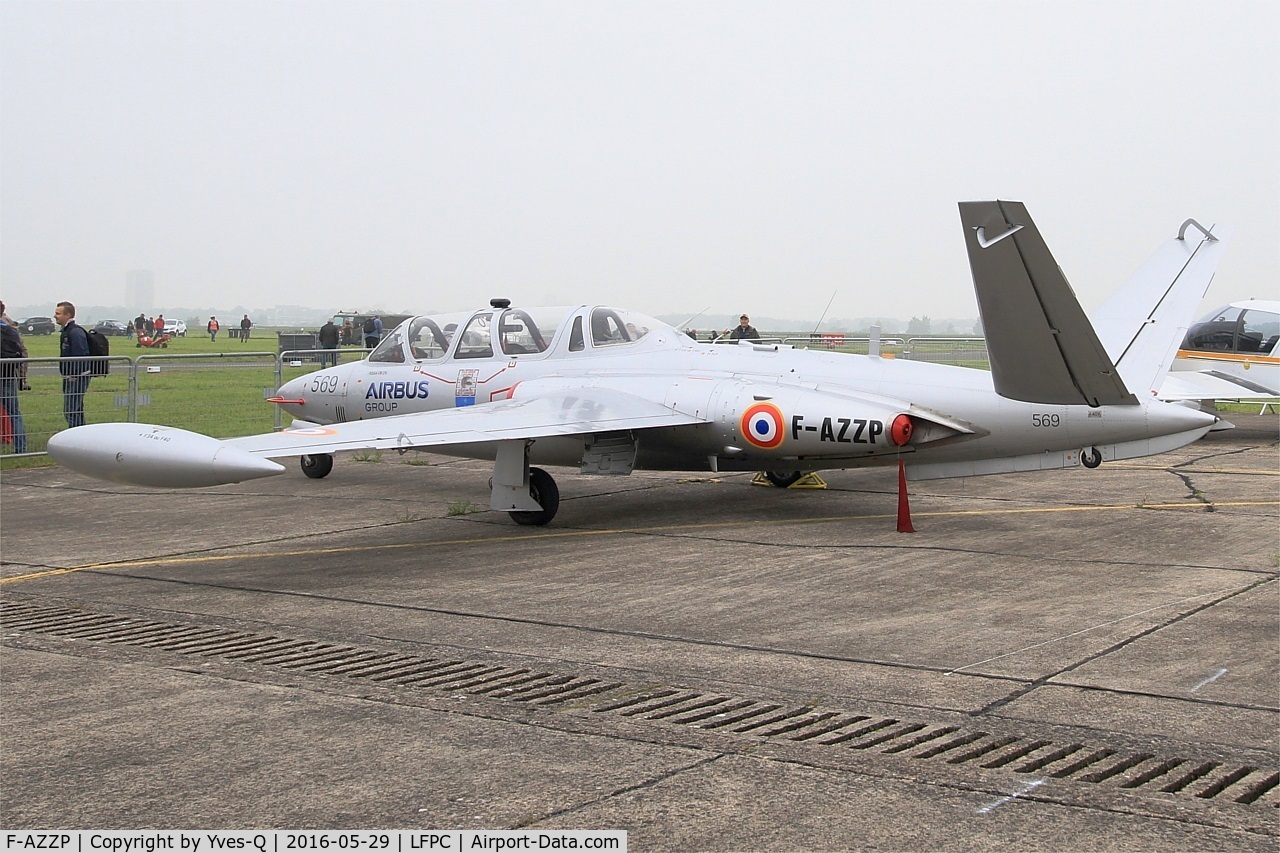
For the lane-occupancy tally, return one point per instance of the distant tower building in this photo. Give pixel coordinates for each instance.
(140, 291)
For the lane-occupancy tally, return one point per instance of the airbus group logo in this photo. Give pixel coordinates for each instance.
(398, 390)
(762, 425)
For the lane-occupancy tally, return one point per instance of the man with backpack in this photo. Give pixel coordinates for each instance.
(74, 344)
(372, 332)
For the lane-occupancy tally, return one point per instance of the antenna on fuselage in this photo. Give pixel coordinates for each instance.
(499, 303)
(686, 323)
(824, 312)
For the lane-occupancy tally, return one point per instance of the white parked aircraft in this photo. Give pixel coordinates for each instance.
(1232, 353)
(607, 390)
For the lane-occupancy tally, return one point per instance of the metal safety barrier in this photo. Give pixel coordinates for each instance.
(958, 351)
(852, 344)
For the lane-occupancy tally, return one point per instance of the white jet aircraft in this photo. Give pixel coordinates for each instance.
(607, 390)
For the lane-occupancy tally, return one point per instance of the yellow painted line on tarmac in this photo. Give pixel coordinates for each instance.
(608, 531)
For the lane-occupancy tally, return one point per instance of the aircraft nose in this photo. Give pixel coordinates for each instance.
(292, 392)
(313, 397)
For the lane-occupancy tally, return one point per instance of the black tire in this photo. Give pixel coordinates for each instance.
(317, 466)
(783, 479)
(545, 491)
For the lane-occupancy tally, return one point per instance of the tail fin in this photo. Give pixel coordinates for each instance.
(1144, 339)
(1041, 345)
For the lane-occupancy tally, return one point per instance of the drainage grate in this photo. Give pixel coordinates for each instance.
(832, 728)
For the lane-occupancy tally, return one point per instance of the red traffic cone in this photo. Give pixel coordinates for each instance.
(904, 508)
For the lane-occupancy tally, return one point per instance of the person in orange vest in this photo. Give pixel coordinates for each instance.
(213, 328)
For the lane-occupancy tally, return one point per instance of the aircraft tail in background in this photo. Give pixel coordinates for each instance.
(1144, 322)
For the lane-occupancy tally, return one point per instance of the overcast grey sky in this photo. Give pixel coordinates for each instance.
(666, 157)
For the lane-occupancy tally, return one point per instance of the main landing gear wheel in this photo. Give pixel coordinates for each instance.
(1091, 458)
(783, 479)
(544, 490)
(317, 466)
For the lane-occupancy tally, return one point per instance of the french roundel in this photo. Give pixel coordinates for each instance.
(762, 425)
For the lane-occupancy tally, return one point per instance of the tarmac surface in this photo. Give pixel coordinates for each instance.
(1076, 660)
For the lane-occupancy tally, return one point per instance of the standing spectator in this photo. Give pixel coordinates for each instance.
(4, 317)
(128, 331)
(372, 332)
(140, 324)
(13, 376)
(744, 331)
(329, 340)
(75, 374)
(245, 326)
(348, 332)
(158, 325)
(213, 329)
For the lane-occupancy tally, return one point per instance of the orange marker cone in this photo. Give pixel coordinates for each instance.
(904, 508)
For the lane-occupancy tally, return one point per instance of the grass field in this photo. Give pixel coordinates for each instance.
(263, 340)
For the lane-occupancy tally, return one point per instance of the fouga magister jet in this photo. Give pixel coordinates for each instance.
(606, 390)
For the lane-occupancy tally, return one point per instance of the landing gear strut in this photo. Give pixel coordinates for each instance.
(528, 495)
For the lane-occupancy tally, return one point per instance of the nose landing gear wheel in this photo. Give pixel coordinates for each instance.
(783, 479)
(317, 466)
(544, 490)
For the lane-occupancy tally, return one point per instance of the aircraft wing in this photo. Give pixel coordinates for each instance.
(1212, 385)
(553, 413)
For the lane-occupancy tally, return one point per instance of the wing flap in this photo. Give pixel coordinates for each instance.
(552, 414)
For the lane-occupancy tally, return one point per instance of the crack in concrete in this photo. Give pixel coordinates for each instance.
(1193, 491)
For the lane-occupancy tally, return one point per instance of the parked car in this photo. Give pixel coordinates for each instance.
(38, 326)
(116, 328)
(174, 326)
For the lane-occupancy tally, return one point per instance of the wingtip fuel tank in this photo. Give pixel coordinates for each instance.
(146, 455)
